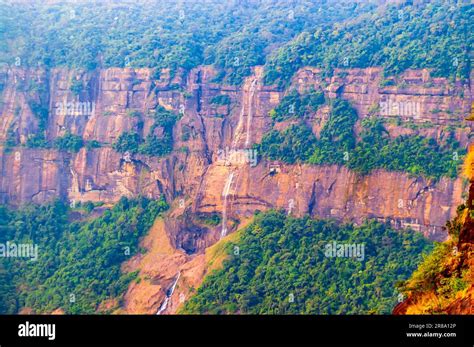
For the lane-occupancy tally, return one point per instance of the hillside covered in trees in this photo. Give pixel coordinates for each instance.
(78, 262)
(280, 265)
(236, 35)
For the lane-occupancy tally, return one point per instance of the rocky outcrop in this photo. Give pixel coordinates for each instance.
(455, 266)
(336, 192)
(100, 105)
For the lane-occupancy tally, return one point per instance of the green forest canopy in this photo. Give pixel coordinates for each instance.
(234, 36)
(78, 266)
(280, 266)
(430, 35)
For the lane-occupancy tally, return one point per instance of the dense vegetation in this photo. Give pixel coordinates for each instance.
(337, 136)
(296, 105)
(431, 35)
(79, 260)
(281, 267)
(413, 154)
(234, 36)
(69, 142)
(221, 99)
(375, 149)
(78, 265)
(295, 143)
(152, 145)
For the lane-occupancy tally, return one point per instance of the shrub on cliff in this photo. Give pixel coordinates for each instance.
(295, 105)
(69, 142)
(40, 112)
(222, 99)
(11, 138)
(414, 154)
(76, 86)
(294, 144)
(37, 141)
(156, 146)
(127, 142)
(152, 145)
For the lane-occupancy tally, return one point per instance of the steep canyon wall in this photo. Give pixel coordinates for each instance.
(194, 174)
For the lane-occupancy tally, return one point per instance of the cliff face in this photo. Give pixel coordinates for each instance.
(100, 112)
(212, 168)
(455, 266)
(198, 174)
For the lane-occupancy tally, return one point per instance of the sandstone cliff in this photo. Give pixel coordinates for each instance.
(195, 177)
(449, 289)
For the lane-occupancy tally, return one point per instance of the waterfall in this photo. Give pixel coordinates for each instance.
(249, 116)
(74, 181)
(238, 129)
(238, 134)
(169, 293)
(225, 193)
